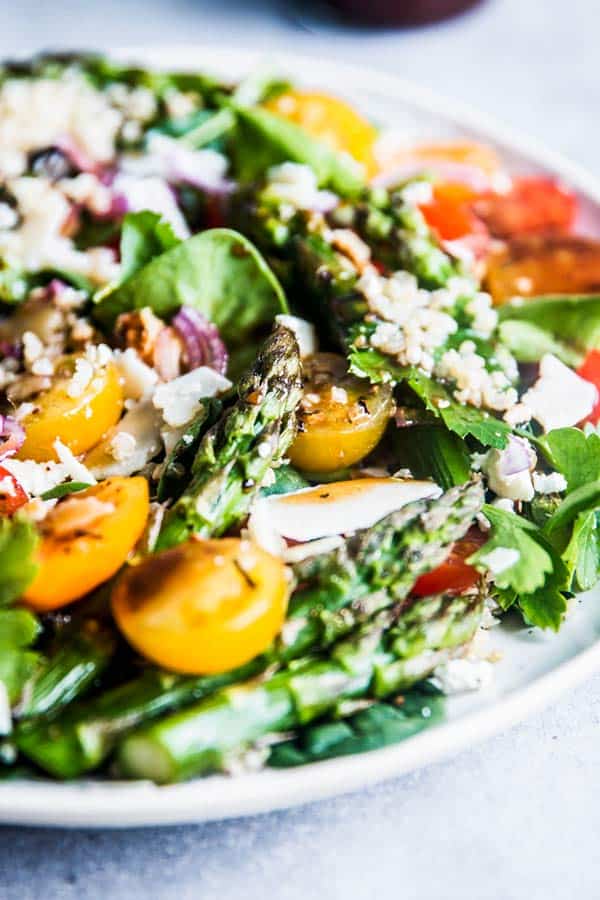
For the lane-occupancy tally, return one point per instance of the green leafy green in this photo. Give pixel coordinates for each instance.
(219, 272)
(144, 236)
(462, 420)
(529, 342)
(18, 627)
(430, 451)
(63, 490)
(264, 139)
(582, 553)
(571, 318)
(377, 726)
(536, 578)
(18, 540)
(584, 498)
(18, 630)
(285, 480)
(573, 453)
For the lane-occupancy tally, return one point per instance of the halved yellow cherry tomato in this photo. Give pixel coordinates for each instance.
(342, 417)
(202, 607)
(76, 413)
(85, 539)
(332, 121)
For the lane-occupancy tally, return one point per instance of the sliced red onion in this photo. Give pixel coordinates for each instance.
(11, 350)
(517, 457)
(201, 339)
(78, 157)
(472, 176)
(324, 201)
(13, 435)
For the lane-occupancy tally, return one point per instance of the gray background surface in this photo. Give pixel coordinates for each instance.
(516, 817)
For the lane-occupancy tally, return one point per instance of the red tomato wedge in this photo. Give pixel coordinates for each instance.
(12, 495)
(590, 370)
(533, 205)
(454, 576)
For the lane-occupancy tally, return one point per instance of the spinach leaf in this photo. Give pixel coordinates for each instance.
(219, 272)
(18, 627)
(573, 453)
(18, 540)
(144, 236)
(264, 139)
(430, 451)
(377, 726)
(286, 480)
(18, 630)
(571, 318)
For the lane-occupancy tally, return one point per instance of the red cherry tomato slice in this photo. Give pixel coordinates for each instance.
(454, 576)
(590, 370)
(533, 205)
(12, 495)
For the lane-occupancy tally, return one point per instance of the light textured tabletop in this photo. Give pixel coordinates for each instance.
(519, 815)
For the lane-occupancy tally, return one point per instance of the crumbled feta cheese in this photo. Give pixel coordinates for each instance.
(41, 112)
(553, 483)
(74, 469)
(130, 444)
(501, 559)
(178, 399)
(32, 348)
(83, 374)
(504, 504)
(8, 216)
(297, 185)
(458, 676)
(137, 379)
(87, 190)
(559, 398)
(500, 466)
(485, 317)
(305, 332)
(474, 384)
(180, 104)
(417, 193)
(122, 445)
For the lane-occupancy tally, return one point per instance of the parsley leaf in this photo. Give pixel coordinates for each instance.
(461, 419)
(582, 553)
(584, 498)
(535, 579)
(573, 453)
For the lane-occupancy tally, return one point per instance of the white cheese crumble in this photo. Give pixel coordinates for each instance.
(137, 378)
(559, 398)
(178, 399)
(509, 471)
(83, 374)
(474, 384)
(153, 193)
(40, 112)
(36, 477)
(305, 333)
(297, 185)
(129, 445)
(553, 483)
(500, 559)
(458, 676)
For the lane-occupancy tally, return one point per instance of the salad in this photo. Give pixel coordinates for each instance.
(293, 411)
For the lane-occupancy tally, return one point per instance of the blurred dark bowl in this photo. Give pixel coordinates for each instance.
(401, 12)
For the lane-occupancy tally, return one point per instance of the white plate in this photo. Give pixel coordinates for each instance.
(535, 668)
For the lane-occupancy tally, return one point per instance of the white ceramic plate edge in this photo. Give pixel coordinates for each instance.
(126, 804)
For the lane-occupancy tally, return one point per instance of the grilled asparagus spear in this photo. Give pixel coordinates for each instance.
(375, 569)
(235, 454)
(391, 652)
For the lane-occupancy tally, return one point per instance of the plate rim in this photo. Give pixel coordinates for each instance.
(133, 804)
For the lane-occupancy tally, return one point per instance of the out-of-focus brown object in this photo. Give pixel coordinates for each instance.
(544, 264)
(533, 205)
(401, 12)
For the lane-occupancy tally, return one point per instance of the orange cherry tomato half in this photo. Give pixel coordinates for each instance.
(590, 370)
(86, 538)
(449, 213)
(203, 607)
(12, 495)
(533, 205)
(455, 575)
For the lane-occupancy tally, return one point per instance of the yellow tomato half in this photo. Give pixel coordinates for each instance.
(332, 121)
(342, 417)
(76, 411)
(86, 538)
(204, 606)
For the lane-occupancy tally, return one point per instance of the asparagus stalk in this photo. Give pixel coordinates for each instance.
(389, 653)
(375, 569)
(82, 655)
(235, 454)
